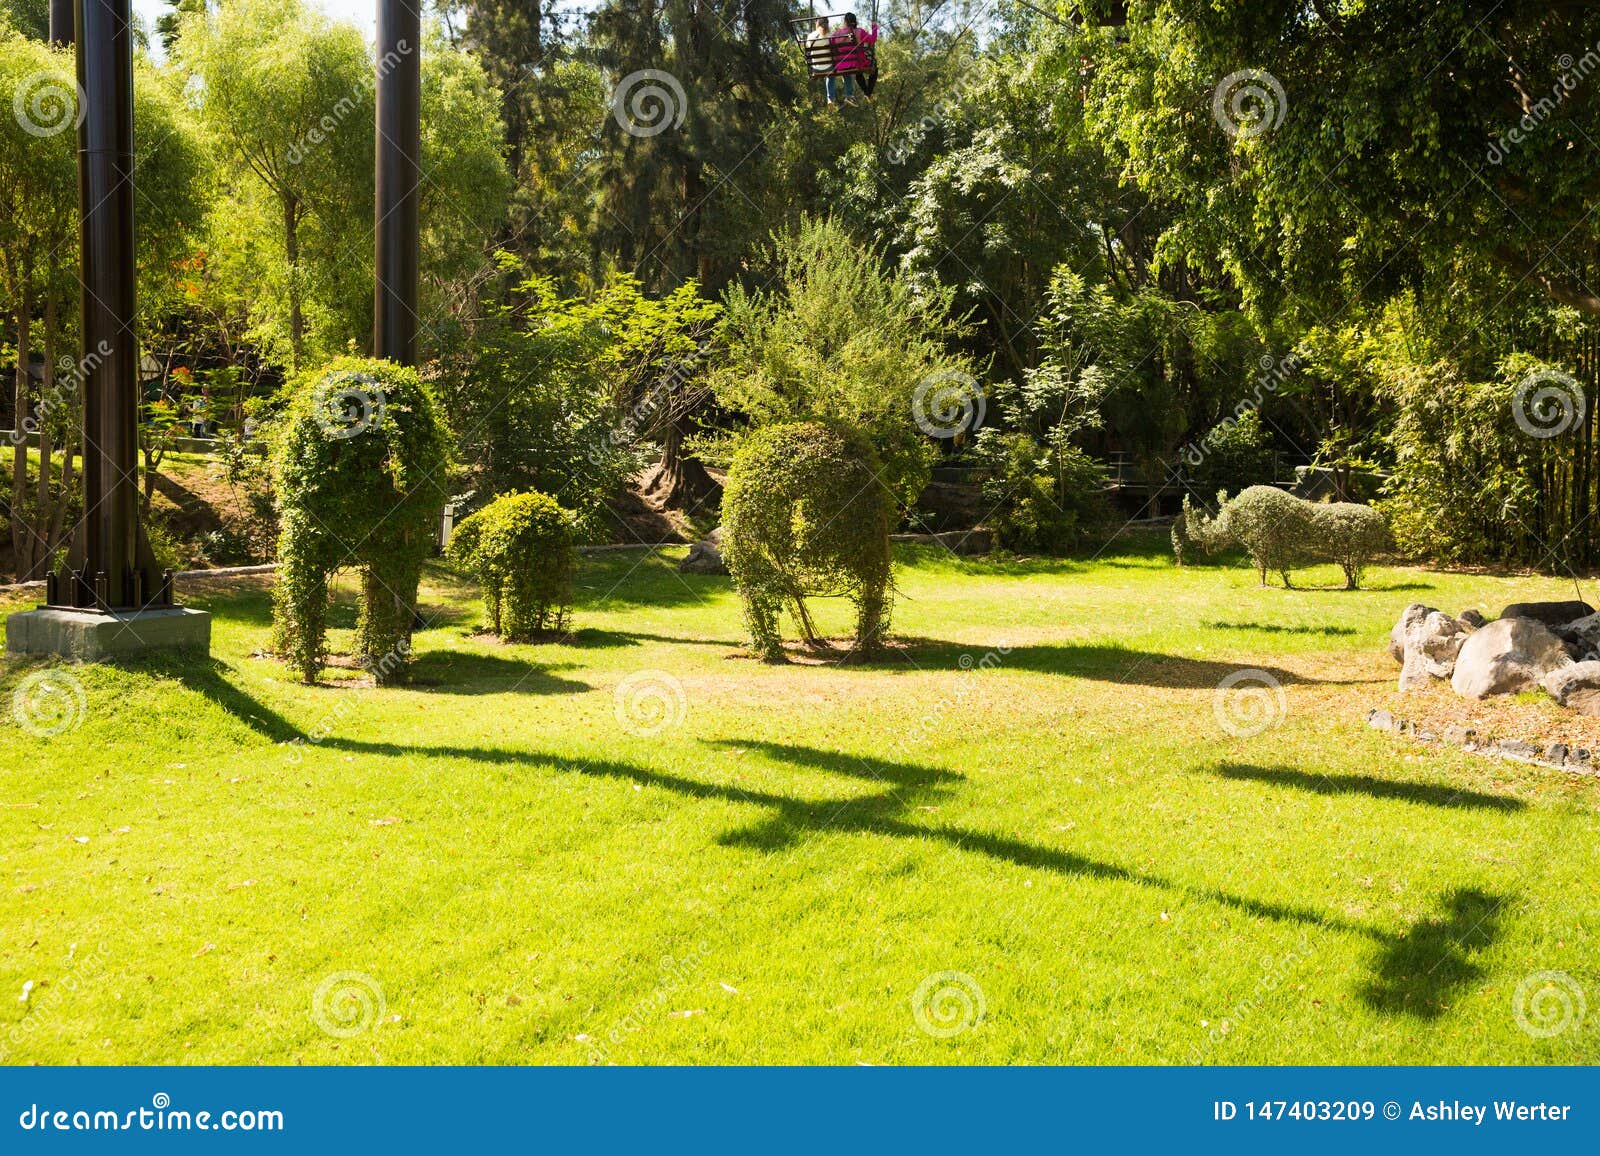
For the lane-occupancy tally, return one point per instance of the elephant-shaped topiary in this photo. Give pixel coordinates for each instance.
(805, 514)
(1280, 531)
(361, 474)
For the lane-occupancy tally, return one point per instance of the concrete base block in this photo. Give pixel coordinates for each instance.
(87, 636)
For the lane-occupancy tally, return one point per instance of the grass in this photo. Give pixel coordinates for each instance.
(1034, 793)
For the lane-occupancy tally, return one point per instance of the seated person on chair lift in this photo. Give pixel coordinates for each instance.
(852, 60)
(820, 53)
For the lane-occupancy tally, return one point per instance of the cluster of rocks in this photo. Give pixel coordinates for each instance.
(1532, 645)
(1578, 759)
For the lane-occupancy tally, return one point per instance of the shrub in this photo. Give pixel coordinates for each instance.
(1467, 482)
(521, 548)
(1351, 535)
(1280, 532)
(1041, 499)
(804, 514)
(360, 471)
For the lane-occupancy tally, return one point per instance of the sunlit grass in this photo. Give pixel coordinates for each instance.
(1033, 791)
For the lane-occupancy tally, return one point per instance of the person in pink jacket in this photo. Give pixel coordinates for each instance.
(852, 59)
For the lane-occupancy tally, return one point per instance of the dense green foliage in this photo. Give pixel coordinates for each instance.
(1281, 532)
(1041, 499)
(520, 546)
(1208, 247)
(361, 471)
(558, 394)
(840, 339)
(806, 514)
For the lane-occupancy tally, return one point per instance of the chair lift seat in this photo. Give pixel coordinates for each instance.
(822, 56)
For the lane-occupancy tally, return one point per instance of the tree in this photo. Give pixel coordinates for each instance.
(31, 18)
(1020, 193)
(300, 142)
(668, 194)
(1335, 149)
(38, 178)
(553, 102)
(299, 129)
(841, 339)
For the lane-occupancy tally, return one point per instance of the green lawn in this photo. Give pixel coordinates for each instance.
(1037, 794)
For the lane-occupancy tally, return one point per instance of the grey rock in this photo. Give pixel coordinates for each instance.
(1471, 619)
(1380, 720)
(704, 558)
(1582, 637)
(1416, 612)
(1556, 753)
(1516, 749)
(1582, 755)
(1431, 646)
(1549, 613)
(1506, 657)
(1460, 735)
(1576, 686)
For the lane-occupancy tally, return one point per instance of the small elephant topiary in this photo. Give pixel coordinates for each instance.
(805, 514)
(521, 547)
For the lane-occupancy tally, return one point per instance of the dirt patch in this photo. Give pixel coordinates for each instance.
(1533, 717)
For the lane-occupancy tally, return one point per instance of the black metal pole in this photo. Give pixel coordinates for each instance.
(61, 23)
(398, 174)
(116, 568)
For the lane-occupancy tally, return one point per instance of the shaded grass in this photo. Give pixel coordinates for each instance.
(1034, 792)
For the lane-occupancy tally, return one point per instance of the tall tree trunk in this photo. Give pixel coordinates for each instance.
(19, 414)
(291, 252)
(679, 481)
(45, 512)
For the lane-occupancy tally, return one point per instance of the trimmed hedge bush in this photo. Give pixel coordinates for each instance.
(360, 471)
(1280, 532)
(805, 514)
(521, 548)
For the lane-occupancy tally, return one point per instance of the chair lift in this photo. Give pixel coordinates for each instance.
(822, 55)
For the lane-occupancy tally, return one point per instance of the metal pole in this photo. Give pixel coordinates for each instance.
(398, 174)
(117, 570)
(61, 23)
